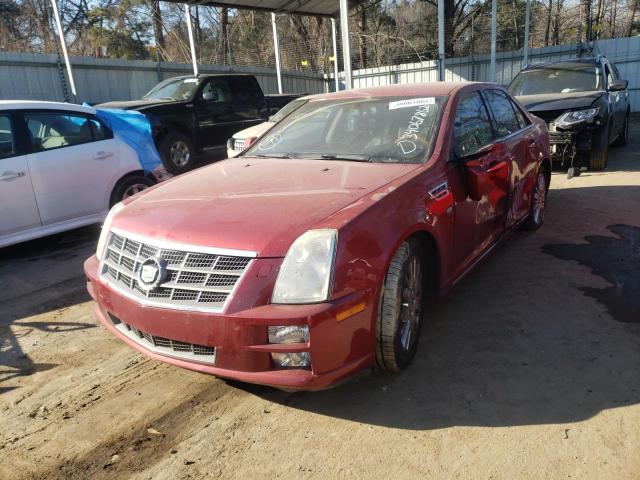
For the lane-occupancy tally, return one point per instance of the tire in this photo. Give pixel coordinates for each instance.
(177, 153)
(622, 139)
(128, 187)
(400, 308)
(538, 203)
(600, 151)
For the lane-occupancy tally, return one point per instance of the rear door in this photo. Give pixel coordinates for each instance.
(72, 160)
(18, 208)
(520, 145)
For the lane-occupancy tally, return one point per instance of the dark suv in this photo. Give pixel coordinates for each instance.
(584, 102)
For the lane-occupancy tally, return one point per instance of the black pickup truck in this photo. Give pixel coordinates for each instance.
(193, 115)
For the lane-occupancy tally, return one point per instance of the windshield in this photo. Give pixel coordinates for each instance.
(286, 110)
(173, 89)
(556, 80)
(386, 129)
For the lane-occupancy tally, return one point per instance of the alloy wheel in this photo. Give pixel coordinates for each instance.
(411, 310)
(539, 198)
(180, 153)
(133, 189)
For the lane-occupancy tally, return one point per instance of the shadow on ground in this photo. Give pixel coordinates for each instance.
(517, 342)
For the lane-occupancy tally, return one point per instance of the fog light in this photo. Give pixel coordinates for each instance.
(292, 360)
(289, 334)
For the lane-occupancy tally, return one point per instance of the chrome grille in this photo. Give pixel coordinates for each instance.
(194, 280)
(166, 346)
(238, 144)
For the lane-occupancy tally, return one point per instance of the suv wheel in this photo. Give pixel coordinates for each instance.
(400, 308)
(600, 150)
(177, 153)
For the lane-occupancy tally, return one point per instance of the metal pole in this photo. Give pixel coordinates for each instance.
(335, 53)
(346, 46)
(187, 11)
(494, 19)
(525, 59)
(441, 70)
(64, 47)
(276, 48)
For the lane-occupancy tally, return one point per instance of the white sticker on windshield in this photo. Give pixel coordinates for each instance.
(190, 80)
(412, 102)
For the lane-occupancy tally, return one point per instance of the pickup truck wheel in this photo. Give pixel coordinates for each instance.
(128, 187)
(600, 150)
(176, 151)
(621, 141)
(400, 309)
(538, 202)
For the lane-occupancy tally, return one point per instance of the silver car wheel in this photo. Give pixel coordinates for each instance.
(180, 153)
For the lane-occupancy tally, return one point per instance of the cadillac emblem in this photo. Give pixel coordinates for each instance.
(152, 273)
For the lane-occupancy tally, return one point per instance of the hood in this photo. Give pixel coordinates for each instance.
(133, 104)
(254, 131)
(559, 101)
(260, 205)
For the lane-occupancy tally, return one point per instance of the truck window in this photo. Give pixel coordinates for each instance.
(245, 89)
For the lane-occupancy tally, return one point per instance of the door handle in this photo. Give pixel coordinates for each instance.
(10, 175)
(533, 143)
(496, 166)
(102, 155)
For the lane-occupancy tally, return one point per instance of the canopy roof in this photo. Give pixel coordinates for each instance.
(322, 8)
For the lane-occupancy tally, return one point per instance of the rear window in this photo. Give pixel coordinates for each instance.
(557, 80)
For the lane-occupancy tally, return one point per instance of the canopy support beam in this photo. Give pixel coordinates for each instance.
(192, 46)
(346, 45)
(525, 59)
(276, 49)
(56, 15)
(335, 54)
(441, 70)
(494, 20)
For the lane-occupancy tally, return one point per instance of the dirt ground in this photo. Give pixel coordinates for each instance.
(528, 369)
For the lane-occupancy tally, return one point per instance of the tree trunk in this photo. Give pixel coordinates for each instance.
(158, 33)
(362, 28)
(223, 38)
(547, 30)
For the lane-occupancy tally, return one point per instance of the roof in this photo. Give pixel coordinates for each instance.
(41, 105)
(404, 90)
(577, 63)
(322, 8)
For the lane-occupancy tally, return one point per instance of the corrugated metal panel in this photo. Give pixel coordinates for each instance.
(37, 77)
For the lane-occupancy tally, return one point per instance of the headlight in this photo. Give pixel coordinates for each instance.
(305, 274)
(106, 226)
(570, 119)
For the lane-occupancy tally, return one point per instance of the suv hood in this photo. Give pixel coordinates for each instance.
(134, 104)
(255, 204)
(559, 101)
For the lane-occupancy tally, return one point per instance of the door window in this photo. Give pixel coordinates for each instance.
(216, 90)
(49, 130)
(472, 127)
(7, 139)
(505, 120)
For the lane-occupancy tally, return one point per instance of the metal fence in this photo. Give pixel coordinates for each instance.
(624, 52)
(40, 77)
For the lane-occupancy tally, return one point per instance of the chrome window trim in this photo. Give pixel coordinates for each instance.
(160, 244)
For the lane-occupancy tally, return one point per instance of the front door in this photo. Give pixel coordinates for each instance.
(72, 161)
(217, 115)
(481, 170)
(18, 208)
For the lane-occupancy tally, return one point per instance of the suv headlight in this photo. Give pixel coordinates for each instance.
(106, 226)
(569, 119)
(306, 272)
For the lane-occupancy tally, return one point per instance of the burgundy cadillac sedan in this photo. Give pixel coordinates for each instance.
(313, 254)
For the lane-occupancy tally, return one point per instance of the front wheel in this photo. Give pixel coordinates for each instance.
(177, 153)
(128, 187)
(400, 308)
(538, 202)
(600, 150)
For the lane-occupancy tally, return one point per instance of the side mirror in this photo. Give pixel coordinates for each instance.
(618, 85)
(209, 96)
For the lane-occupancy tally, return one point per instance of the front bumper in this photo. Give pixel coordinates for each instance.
(571, 147)
(242, 352)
